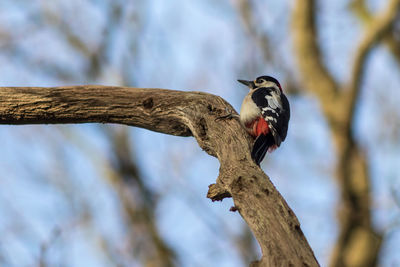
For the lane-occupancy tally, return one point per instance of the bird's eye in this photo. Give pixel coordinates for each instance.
(260, 81)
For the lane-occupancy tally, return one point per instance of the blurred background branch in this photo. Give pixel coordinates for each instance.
(360, 9)
(358, 243)
(138, 202)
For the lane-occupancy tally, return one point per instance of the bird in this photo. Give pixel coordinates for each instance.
(265, 114)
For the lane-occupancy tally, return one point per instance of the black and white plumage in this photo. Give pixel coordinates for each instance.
(265, 114)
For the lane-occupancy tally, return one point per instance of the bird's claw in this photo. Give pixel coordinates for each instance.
(229, 116)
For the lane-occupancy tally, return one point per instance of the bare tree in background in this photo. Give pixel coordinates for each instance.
(138, 202)
(358, 243)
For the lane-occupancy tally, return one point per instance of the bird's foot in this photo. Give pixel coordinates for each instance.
(228, 116)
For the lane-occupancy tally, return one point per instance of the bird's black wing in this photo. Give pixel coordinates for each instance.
(283, 123)
(275, 109)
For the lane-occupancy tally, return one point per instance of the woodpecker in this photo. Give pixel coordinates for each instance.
(265, 114)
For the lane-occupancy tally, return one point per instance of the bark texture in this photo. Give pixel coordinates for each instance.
(183, 114)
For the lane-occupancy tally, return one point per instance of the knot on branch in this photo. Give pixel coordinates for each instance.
(148, 103)
(217, 193)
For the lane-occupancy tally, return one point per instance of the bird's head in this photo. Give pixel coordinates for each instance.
(262, 81)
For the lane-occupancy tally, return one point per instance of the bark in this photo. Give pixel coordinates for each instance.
(358, 243)
(273, 223)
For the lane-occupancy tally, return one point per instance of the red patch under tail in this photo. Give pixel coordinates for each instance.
(261, 127)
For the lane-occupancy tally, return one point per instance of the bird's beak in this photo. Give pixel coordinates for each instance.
(247, 83)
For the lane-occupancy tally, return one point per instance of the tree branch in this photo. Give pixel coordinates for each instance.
(377, 29)
(316, 76)
(138, 204)
(360, 9)
(178, 113)
(358, 243)
(251, 24)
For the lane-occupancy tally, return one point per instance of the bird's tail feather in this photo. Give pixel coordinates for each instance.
(261, 146)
